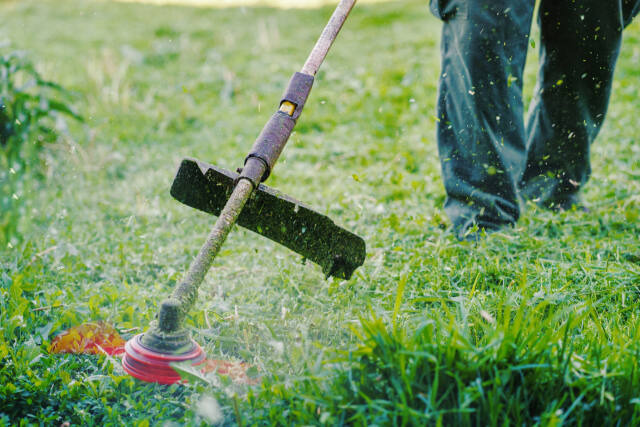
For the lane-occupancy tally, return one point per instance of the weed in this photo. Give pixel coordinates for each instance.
(29, 109)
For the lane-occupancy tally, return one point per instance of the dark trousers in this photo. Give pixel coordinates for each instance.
(489, 156)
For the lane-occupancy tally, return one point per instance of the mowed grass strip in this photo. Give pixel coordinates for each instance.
(536, 324)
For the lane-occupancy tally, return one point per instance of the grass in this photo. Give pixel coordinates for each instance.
(534, 325)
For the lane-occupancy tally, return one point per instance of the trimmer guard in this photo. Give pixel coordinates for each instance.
(274, 215)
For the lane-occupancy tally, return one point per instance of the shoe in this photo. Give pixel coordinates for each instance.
(473, 232)
(563, 203)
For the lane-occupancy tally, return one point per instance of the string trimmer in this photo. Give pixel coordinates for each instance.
(241, 198)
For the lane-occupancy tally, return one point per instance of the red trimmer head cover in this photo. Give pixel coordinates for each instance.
(153, 366)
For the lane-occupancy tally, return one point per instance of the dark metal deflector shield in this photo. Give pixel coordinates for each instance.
(273, 215)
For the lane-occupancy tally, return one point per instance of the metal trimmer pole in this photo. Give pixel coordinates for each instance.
(168, 333)
(327, 37)
(187, 290)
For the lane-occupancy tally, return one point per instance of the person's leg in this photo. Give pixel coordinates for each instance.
(579, 44)
(481, 128)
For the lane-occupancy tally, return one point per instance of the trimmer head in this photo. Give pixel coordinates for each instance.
(154, 366)
(273, 215)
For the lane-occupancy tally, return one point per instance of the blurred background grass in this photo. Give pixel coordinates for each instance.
(287, 4)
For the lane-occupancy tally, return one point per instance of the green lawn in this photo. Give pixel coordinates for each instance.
(536, 324)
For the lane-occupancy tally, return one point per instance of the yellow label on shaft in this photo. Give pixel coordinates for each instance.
(287, 107)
